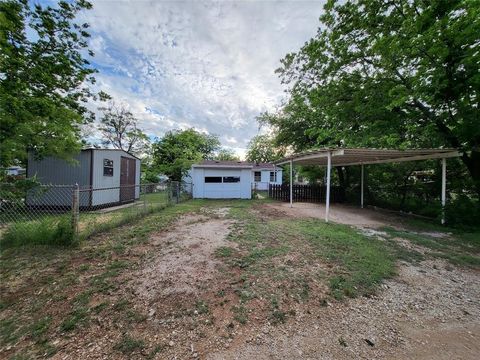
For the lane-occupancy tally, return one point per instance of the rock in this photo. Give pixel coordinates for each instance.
(369, 342)
(171, 343)
(151, 312)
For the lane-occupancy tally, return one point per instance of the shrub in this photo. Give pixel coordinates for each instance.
(463, 212)
(48, 231)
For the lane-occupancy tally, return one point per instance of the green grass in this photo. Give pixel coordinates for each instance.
(459, 247)
(127, 345)
(48, 231)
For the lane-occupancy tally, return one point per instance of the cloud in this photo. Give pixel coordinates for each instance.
(207, 65)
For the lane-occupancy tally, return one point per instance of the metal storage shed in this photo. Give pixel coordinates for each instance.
(105, 177)
(346, 157)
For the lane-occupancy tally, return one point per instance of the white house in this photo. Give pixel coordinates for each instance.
(231, 179)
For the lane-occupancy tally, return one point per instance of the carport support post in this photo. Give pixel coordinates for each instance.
(327, 200)
(444, 188)
(361, 187)
(291, 183)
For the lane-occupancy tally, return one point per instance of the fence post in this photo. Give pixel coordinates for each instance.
(178, 192)
(144, 197)
(75, 209)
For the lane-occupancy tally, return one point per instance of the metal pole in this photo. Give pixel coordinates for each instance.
(75, 209)
(327, 200)
(144, 197)
(444, 188)
(291, 183)
(361, 189)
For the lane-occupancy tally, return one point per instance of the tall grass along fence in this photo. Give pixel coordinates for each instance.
(63, 214)
(306, 193)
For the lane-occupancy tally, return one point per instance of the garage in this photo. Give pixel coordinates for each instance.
(217, 180)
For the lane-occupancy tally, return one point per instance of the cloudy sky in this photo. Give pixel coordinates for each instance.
(207, 65)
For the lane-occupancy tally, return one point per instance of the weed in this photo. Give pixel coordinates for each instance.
(202, 307)
(224, 251)
(128, 344)
(49, 231)
(157, 349)
(240, 314)
(74, 319)
(342, 341)
(39, 328)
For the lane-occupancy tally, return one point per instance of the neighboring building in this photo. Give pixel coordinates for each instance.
(115, 171)
(231, 179)
(15, 171)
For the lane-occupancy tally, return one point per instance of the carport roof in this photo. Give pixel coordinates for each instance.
(358, 156)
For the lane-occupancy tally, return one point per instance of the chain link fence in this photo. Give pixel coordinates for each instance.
(46, 214)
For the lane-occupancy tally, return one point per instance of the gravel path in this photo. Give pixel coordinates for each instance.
(430, 311)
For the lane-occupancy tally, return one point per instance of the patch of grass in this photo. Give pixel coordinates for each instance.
(240, 314)
(48, 231)
(224, 251)
(9, 331)
(39, 328)
(202, 307)
(460, 248)
(156, 350)
(277, 316)
(77, 317)
(364, 261)
(127, 345)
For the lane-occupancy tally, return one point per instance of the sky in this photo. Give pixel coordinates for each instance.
(201, 64)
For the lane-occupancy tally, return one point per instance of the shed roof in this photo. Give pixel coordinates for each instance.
(357, 156)
(235, 164)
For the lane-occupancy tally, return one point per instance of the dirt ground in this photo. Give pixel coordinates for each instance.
(181, 293)
(429, 311)
(342, 214)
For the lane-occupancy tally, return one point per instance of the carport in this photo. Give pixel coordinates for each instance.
(351, 157)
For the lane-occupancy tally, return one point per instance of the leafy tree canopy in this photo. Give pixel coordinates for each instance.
(391, 74)
(262, 148)
(226, 155)
(44, 78)
(175, 153)
(119, 129)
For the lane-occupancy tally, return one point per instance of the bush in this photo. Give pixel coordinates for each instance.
(463, 212)
(48, 231)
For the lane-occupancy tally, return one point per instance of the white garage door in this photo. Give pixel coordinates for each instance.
(223, 184)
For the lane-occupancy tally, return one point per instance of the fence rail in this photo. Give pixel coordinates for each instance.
(306, 193)
(80, 209)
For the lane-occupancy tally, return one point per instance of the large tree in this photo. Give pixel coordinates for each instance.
(44, 78)
(262, 149)
(175, 153)
(388, 74)
(119, 128)
(225, 154)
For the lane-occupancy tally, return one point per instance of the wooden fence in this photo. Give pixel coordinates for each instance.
(306, 193)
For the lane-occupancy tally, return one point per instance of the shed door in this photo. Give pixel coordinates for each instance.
(127, 179)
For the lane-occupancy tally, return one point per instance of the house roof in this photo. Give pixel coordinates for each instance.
(345, 157)
(235, 164)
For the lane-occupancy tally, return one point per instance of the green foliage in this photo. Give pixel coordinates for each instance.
(47, 231)
(174, 154)
(226, 155)
(45, 79)
(128, 344)
(387, 74)
(463, 212)
(119, 129)
(262, 149)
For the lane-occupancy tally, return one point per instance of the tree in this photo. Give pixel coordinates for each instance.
(262, 149)
(387, 74)
(226, 155)
(119, 129)
(44, 79)
(175, 153)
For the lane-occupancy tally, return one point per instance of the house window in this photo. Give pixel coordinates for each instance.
(273, 176)
(213, 179)
(257, 176)
(107, 167)
(231, 179)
